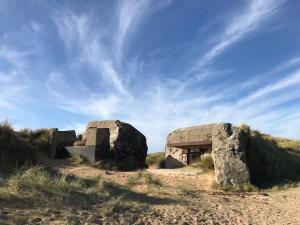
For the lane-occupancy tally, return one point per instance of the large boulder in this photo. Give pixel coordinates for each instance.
(228, 151)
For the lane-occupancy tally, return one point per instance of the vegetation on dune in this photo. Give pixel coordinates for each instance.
(37, 186)
(14, 151)
(39, 138)
(157, 159)
(272, 161)
(246, 187)
(284, 143)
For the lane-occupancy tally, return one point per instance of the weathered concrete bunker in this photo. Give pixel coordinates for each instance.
(226, 143)
(58, 141)
(103, 139)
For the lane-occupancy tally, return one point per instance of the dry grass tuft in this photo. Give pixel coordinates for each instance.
(181, 190)
(117, 205)
(143, 178)
(206, 164)
(246, 187)
(78, 159)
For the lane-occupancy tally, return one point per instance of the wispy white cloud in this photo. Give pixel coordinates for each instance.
(130, 14)
(12, 89)
(72, 28)
(287, 81)
(79, 32)
(254, 14)
(67, 98)
(14, 56)
(87, 44)
(13, 81)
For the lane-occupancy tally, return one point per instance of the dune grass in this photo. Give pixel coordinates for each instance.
(272, 161)
(182, 190)
(246, 187)
(206, 164)
(78, 159)
(38, 185)
(39, 138)
(14, 151)
(143, 178)
(117, 205)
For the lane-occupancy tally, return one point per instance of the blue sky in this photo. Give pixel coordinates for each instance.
(158, 65)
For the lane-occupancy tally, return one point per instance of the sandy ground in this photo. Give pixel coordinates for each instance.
(185, 197)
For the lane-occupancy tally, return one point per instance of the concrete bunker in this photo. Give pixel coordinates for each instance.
(226, 143)
(104, 139)
(59, 140)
